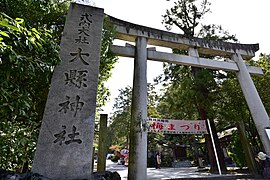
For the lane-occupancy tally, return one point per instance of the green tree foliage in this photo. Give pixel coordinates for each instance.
(262, 83)
(236, 147)
(25, 72)
(230, 104)
(190, 91)
(39, 14)
(50, 15)
(119, 128)
(152, 101)
(29, 51)
(30, 38)
(186, 14)
(107, 62)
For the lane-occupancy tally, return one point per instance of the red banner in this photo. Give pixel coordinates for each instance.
(168, 126)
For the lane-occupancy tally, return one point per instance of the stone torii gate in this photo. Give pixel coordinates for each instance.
(64, 149)
(142, 36)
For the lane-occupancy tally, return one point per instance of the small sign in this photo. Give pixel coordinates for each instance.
(268, 133)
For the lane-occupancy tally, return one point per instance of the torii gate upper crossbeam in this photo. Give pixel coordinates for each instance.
(128, 31)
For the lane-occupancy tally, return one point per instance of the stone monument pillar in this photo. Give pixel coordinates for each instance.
(64, 149)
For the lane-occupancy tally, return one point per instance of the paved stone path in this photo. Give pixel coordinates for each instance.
(174, 173)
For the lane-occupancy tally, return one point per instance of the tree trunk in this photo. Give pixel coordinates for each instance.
(203, 113)
(209, 144)
(247, 149)
(25, 167)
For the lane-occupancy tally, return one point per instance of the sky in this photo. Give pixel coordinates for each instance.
(247, 19)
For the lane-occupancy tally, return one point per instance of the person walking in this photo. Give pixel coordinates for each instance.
(158, 159)
(264, 162)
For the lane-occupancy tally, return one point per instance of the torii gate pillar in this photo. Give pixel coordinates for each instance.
(137, 169)
(258, 112)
